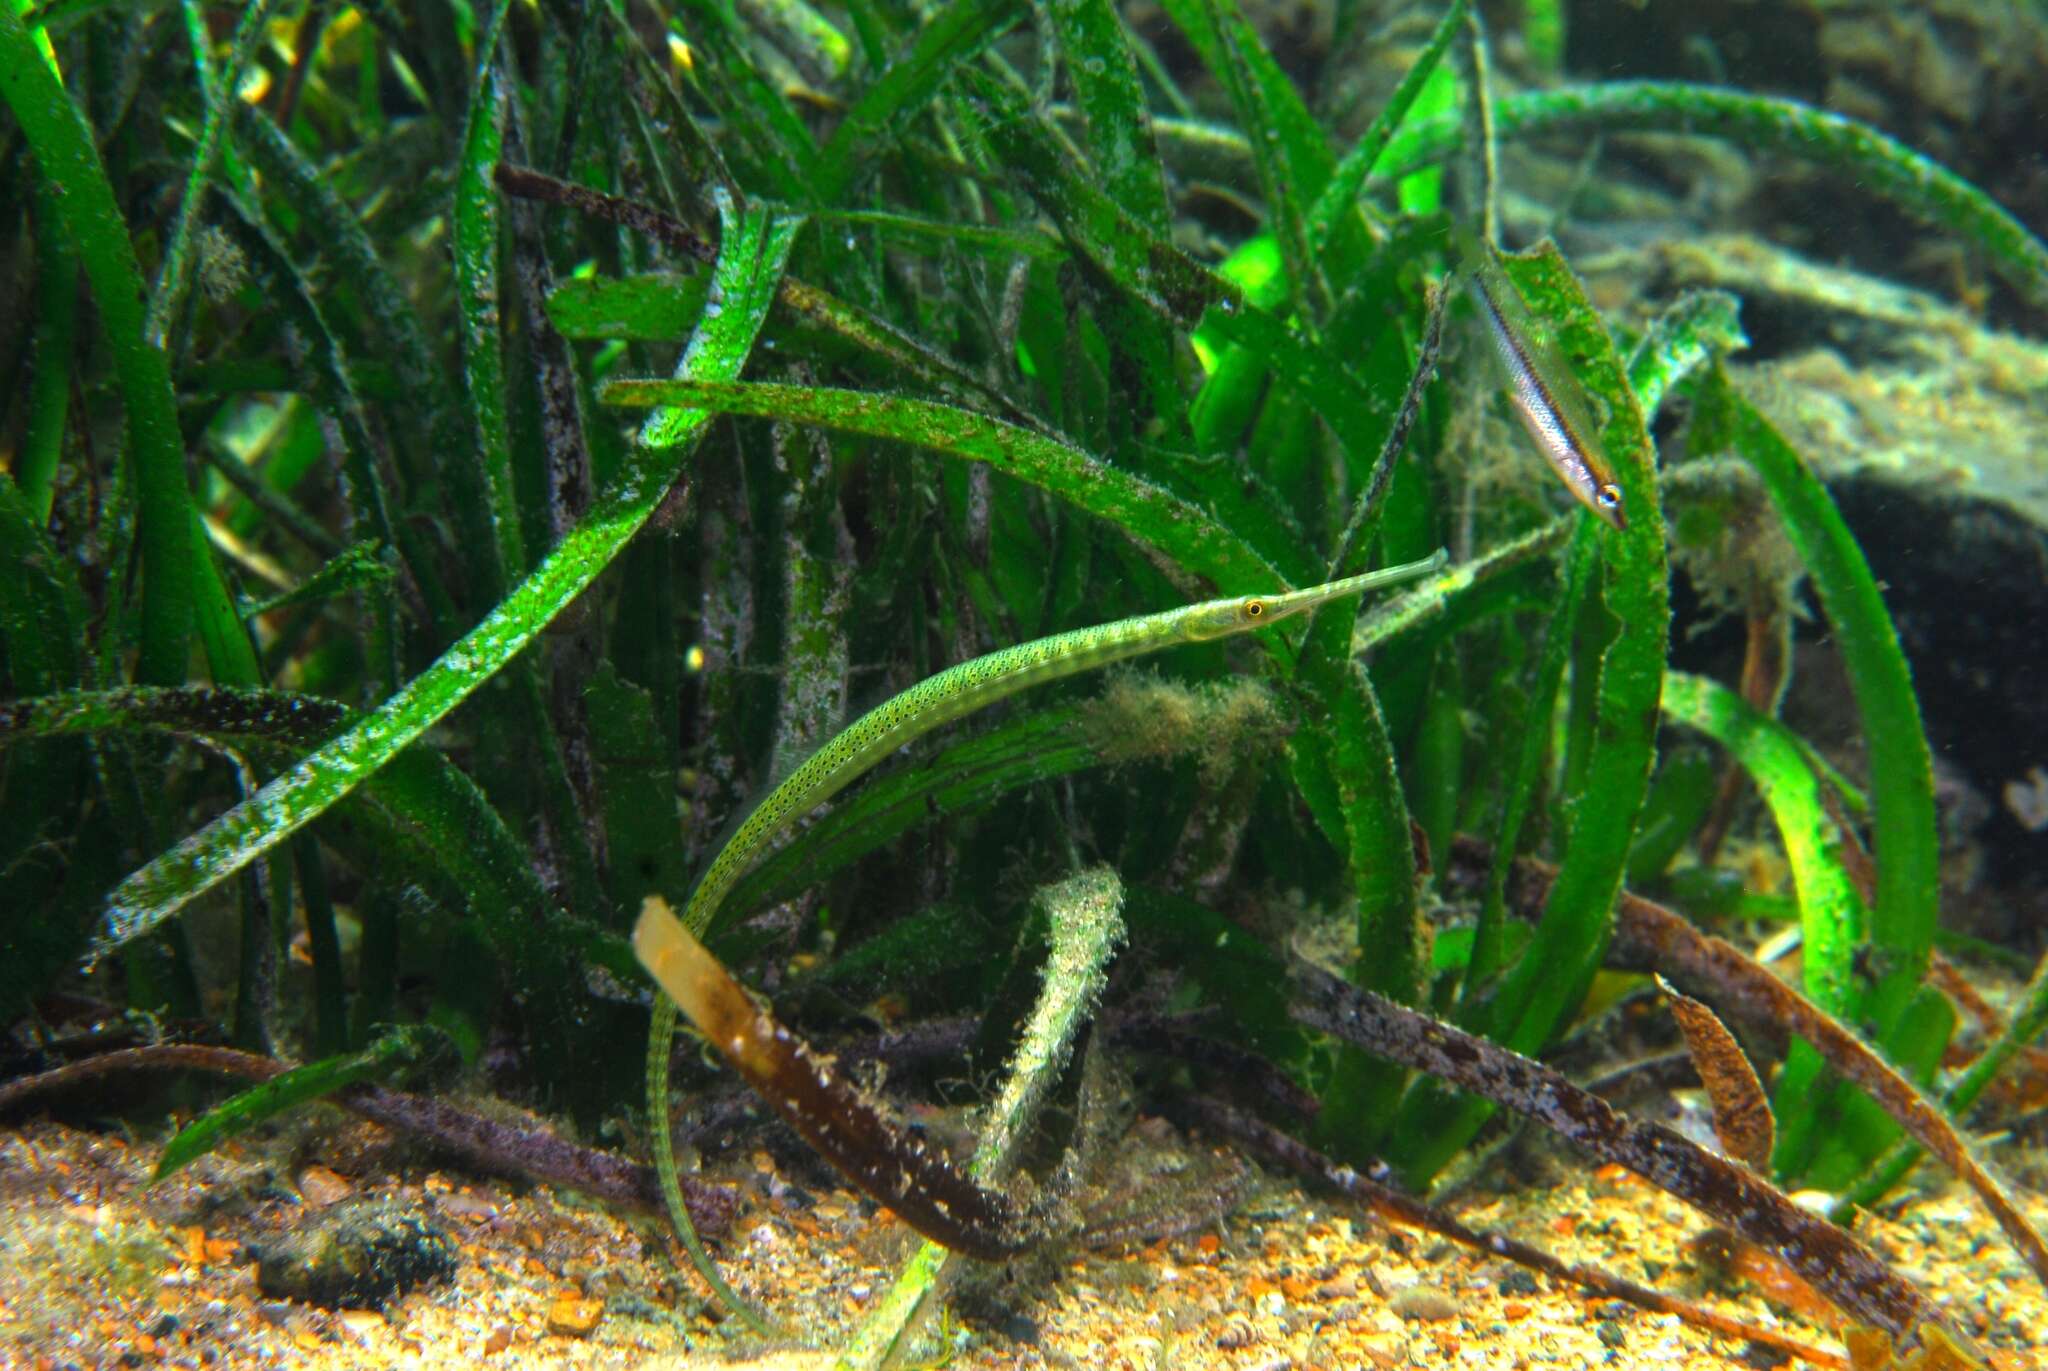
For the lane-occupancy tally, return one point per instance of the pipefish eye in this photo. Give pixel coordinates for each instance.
(1254, 609)
(1608, 496)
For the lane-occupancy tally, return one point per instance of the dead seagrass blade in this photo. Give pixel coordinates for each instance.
(1742, 1112)
(1853, 1277)
(1649, 937)
(849, 1129)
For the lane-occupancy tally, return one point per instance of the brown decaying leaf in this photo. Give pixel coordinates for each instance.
(1742, 1114)
(850, 1130)
(1944, 976)
(1842, 1268)
(1649, 937)
(1729, 1257)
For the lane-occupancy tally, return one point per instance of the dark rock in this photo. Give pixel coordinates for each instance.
(356, 1255)
(1926, 427)
(1964, 579)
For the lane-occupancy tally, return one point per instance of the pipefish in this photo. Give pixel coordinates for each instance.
(940, 699)
(1547, 396)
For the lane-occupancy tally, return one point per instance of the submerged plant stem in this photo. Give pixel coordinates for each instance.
(755, 249)
(1085, 922)
(2021, 1030)
(846, 1126)
(181, 584)
(493, 1144)
(1869, 158)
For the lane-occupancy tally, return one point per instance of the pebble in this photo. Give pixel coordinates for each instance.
(1424, 1302)
(1342, 1288)
(320, 1187)
(355, 1255)
(1518, 1282)
(470, 1208)
(574, 1317)
(362, 1322)
(1384, 1353)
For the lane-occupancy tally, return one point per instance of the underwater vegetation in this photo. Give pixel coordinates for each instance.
(524, 521)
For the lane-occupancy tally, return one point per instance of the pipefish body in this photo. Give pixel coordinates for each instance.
(940, 699)
(1547, 396)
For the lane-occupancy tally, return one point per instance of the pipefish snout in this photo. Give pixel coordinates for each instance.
(1220, 618)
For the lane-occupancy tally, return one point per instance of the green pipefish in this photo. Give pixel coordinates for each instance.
(950, 694)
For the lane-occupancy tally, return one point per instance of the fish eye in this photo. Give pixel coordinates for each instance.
(1609, 496)
(1254, 609)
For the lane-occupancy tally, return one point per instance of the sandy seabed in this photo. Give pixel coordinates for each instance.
(98, 1268)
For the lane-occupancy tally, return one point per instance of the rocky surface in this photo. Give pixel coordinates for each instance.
(1931, 429)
